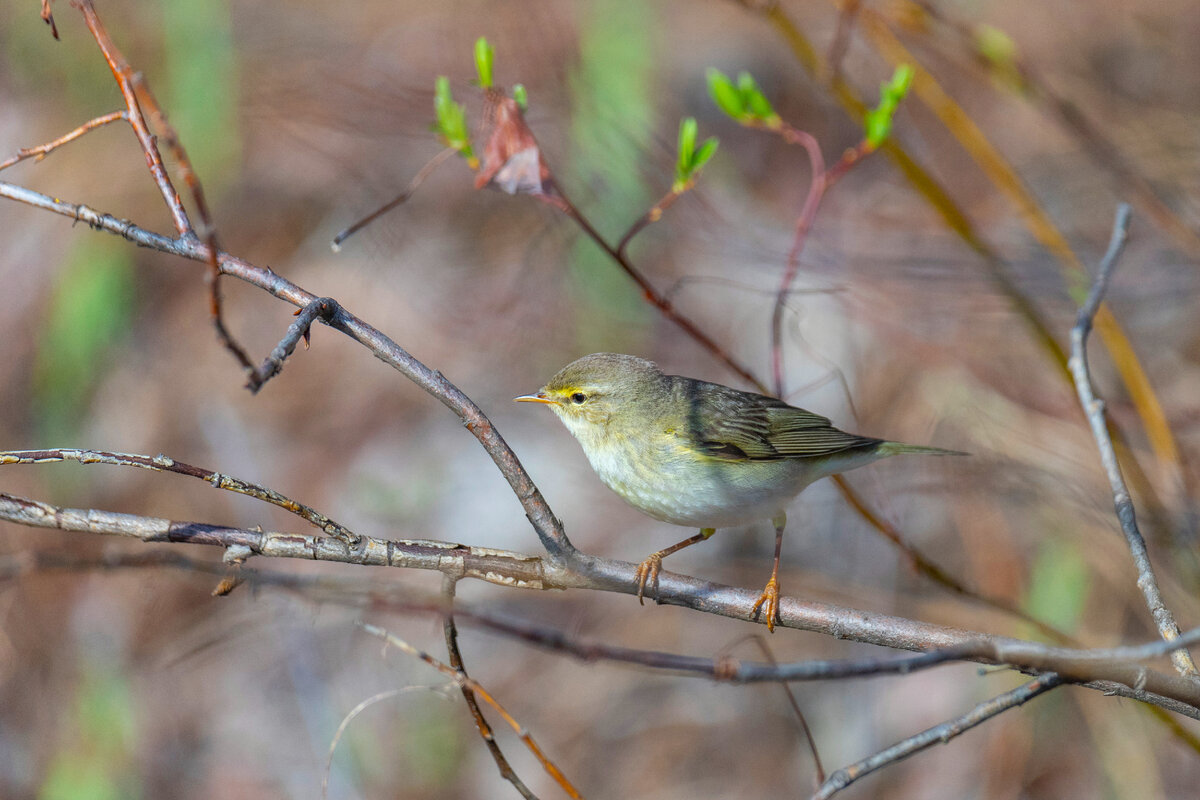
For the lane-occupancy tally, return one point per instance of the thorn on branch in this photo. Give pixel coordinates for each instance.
(323, 308)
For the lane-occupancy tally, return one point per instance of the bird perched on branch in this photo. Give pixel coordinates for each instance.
(701, 454)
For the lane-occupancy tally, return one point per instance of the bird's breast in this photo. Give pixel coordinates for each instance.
(665, 478)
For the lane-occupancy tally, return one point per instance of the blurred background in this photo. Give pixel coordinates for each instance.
(301, 117)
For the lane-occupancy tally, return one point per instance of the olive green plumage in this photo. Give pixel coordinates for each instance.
(696, 453)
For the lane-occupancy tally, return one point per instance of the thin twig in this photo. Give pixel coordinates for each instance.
(162, 463)
(42, 150)
(656, 298)
(804, 223)
(324, 308)
(450, 630)
(652, 215)
(48, 18)
(1093, 407)
(937, 734)
(350, 717)
(810, 740)
(545, 524)
(460, 677)
(135, 90)
(423, 173)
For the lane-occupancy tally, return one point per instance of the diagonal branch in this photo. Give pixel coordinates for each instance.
(450, 631)
(161, 463)
(938, 734)
(40, 151)
(545, 524)
(1093, 407)
(460, 678)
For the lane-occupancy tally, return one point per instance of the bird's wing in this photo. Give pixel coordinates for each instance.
(737, 426)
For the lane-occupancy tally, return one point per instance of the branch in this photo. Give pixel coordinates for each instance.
(161, 463)
(460, 678)
(1093, 407)
(42, 150)
(938, 734)
(545, 524)
(504, 568)
(450, 631)
(501, 567)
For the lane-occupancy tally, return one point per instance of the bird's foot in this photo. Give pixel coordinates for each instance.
(647, 572)
(769, 602)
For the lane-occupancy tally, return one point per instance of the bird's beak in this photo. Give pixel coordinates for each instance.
(540, 397)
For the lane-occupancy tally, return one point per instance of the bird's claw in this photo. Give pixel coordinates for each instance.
(769, 602)
(647, 572)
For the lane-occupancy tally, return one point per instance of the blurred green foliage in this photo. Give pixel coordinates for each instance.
(199, 89)
(87, 316)
(1058, 586)
(612, 116)
(93, 761)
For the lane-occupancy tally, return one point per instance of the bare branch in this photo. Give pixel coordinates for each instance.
(133, 85)
(42, 150)
(939, 733)
(460, 677)
(161, 463)
(1114, 671)
(501, 567)
(1093, 407)
(450, 631)
(422, 174)
(545, 524)
(323, 308)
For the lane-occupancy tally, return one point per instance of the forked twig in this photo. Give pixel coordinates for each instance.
(460, 678)
(323, 308)
(450, 631)
(1093, 407)
(42, 150)
(136, 91)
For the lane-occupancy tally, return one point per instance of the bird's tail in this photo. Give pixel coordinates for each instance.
(900, 448)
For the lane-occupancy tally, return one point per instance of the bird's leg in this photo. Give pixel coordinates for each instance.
(648, 569)
(769, 599)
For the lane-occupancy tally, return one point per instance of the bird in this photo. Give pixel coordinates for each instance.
(700, 454)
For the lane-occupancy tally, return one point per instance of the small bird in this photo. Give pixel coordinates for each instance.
(700, 454)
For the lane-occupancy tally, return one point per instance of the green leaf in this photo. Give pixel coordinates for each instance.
(754, 100)
(705, 153)
(519, 94)
(484, 56)
(687, 148)
(451, 118)
(725, 94)
(878, 122)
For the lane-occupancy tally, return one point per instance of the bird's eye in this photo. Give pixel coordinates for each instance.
(579, 398)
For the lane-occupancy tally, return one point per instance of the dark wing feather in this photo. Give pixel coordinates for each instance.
(738, 426)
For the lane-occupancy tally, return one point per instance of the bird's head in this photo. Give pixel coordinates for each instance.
(594, 393)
